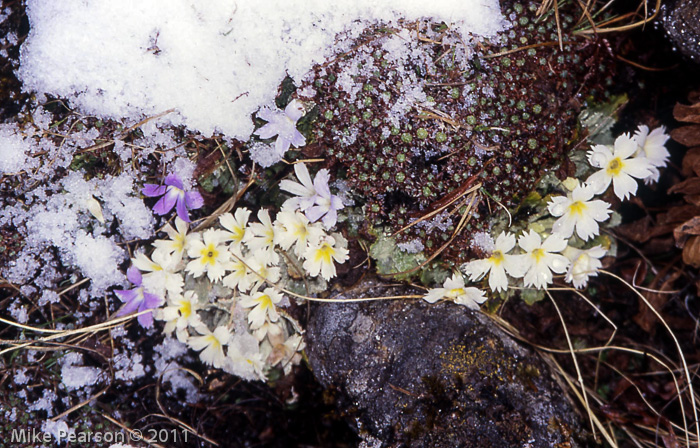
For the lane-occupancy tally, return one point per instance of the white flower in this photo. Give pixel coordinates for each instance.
(161, 271)
(212, 345)
(584, 264)
(454, 289)
(617, 167)
(262, 269)
(235, 225)
(320, 256)
(287, 353)
(179, 240)
(294, 229)
(498, 264)
(271, 330)
(263, 304)
(180, 313)
(260, 236)
(541, 258)
(304, 190)
(244, 357)
(579, 211)
(652, 145)
(312, 198)
(208, 256)
(240, 276)
(283, 124)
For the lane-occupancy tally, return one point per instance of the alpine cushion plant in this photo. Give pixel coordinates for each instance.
(138, 299)
(173, 195)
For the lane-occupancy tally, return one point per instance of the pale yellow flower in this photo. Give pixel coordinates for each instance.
(320, 257)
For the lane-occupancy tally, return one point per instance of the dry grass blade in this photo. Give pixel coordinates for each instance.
(686, 371)
(573, 357)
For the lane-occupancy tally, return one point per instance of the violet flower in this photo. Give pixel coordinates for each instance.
(314, 198)
(283, 124)
(138, 299)
(174, 195)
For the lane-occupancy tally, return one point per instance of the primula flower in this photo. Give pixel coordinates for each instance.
(263, 307)
(262, 269)
(294, 229)
(542, 258)
(283, 124)
(235, 224)
(138, 299)
(208, 256)
(577, 210)
(180, 313)
(287, 353)
(454, 289)
(584, 264)
(179, 240)
(312, 198)
(497, 264)
(319, 256)
(174, 195)
(618, 167)
(161, 271)
(212, 344)
(240, 276)
(261, 236)
(652, 145)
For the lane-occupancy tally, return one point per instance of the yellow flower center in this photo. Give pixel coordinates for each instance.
(265, 301)
(455, 292)
(238, 233)
(179, 242)
(496, 257)
(209, 254)
(324, 253)
(538, 254)
(615, 166)
(185, 309)
(213, 341)
(577, 208)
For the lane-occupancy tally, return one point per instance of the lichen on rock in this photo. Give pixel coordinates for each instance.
(413, 374)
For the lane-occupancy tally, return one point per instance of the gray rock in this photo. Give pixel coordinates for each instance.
(413, 374)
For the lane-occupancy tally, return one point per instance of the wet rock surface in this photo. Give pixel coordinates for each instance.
(413, 374)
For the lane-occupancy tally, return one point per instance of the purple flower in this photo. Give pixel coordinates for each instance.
(138, 299)
(283, 124)
(314, 198)
(174, 195)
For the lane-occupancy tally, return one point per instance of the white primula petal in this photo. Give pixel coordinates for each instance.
(624, 186)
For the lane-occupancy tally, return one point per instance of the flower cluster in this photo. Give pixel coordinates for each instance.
(218, 290)
(639, 156)
(540, 255)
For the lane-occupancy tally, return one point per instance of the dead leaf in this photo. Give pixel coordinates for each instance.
(687, 135)
(688, 114)
(688, 186)
(691, 162)
(691, 252)
(678, 214)
(646, 318)
(643, 230)
(688, 228)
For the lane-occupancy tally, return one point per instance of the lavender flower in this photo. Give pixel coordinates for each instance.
(314, 198)
(283, 124)
(138, 299)
(174, 195)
